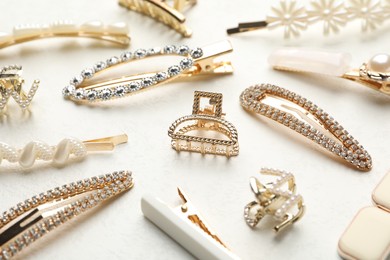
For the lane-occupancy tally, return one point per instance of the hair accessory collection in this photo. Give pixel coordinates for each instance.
(26, 222)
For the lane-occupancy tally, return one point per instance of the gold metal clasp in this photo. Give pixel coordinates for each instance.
(105, 144)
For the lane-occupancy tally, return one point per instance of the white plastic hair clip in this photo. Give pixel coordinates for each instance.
(333, 14)
(59, 154)
(117, 33)
(375, 73)
(185, 225)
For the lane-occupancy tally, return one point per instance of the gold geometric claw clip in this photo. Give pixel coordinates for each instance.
(162, 12)
(205, 120)
(272, 199)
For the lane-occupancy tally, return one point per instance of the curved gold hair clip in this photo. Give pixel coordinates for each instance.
(162, 12)
(307, 119)
(28, 221)
(117, 33)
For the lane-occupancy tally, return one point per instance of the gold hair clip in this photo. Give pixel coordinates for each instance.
(206, 119)
(117, 33)
(11, 84)
(294, 18)
(26, 222)
(272, 199)
(307, 119)
(198, 61)
(162, 12)
(58, 154)
(375, 73)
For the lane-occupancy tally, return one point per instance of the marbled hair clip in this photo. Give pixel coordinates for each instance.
(117, 33)
(374, 73)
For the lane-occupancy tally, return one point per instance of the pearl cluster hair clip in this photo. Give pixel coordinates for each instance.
(334, 14)
(117, 33)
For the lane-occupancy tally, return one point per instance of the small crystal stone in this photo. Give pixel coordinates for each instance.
(134, 86)
(186, 63)
(183, 50)
(196, 53)
(120, 91)
(68, 90)
(169, 49)
(78, 94)
(140, 53)
(100, 66)
(76, 80)
(160, 76)
(174, 70)
(112, 61)
(126, 56)
(154, 51)
(87, 73)
(105, 94)
(91, 95)
(146, 82)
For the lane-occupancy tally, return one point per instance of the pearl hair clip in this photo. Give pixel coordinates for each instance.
(375, 73)
(58, 154)
(117, 33)
(304, 117)
(28, 221)
(334, 14)
(162, 12)
(11, 85)
(196, 62)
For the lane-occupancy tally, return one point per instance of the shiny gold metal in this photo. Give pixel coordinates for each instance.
(105, 144)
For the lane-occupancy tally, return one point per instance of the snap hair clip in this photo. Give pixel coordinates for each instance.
(162, 12)
(307, 119)
(294, 19)
(375, 73)
(116, 33)
(28, 221)
(11, 85)
(368, 235)
(206, 119)
(197, 61)
(275, 200)
(186, 225)
(58, 154)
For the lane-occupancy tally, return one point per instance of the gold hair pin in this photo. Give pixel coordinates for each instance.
(162, 12)
(59, 154)
(272, 199)
(205, 119)
(198, 61)
(294, 18)
(117, 33)
(26, 222)
(11, 85)
(307, 119)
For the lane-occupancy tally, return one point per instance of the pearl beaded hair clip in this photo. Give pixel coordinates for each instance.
(58, 154)
(117, 33)
(375, 73)
(28, 221)
(332, 13)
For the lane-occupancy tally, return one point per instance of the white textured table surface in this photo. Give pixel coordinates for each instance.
(333, 192)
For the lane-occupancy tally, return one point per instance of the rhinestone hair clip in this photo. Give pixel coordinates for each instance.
(375, 73)
(28, 221)
(198, 61)
(307, 119)
(117, 33)
(59, 154)
(162, 12)
(334, 14)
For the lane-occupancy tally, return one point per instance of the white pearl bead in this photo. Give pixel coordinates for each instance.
(380, 63)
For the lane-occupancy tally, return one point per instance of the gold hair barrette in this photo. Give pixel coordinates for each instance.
(11, 85)
(294, 18)
(117, 33)
(59, 154)
(307, 119)
(205, 119)
(28, 221)
(198, 61)
(272, 199)
(375, 73)
(162, 12)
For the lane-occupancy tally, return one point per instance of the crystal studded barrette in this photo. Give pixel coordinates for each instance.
(117, 33)
(28, 221)
(333, 14)
(307, 119)
(198, 61)
(375, 73)
(161, 11)
(58, 154)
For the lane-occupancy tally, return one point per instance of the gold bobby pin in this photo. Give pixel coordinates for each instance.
(162, 12)
(58, 154)
(206, 119)
(307, 119)
(198, 61)
(28, 221)
(117, 33)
